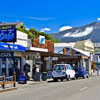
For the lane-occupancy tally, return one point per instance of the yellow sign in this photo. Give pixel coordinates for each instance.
(93, 67)
(93, 63)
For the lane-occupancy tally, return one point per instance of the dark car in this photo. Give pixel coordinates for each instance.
(81, 72)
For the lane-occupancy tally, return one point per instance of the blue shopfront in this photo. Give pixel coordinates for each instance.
(8, 62)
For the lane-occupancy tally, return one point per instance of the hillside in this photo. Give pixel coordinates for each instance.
(89, 31)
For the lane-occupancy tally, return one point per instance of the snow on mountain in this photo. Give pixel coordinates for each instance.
(89, 31)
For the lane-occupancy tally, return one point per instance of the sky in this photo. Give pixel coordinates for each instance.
(50, 16)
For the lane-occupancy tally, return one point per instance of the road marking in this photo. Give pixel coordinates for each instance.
(83, 88)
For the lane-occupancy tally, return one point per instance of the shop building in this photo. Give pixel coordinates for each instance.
(73, 56)
(31, 55)
(11, 25)
(85, 45)
(9, 62)
(47, 58)
(97, 53)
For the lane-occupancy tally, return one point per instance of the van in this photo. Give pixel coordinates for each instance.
(63, 71)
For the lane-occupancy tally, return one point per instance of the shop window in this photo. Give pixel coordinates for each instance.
(49, 65)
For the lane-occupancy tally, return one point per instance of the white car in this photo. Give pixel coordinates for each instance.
(63, 71)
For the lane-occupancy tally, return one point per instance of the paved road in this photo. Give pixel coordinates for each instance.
(82, 89)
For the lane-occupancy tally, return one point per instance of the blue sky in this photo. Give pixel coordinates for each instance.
(50, 14)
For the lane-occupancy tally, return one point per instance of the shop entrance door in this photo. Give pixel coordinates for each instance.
(18, 68)
(6, 63)
(6, 66)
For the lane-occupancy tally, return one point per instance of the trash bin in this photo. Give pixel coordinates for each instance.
(44, 76)
(37, 76)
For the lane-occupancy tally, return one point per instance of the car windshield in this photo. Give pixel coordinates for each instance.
(59, 67)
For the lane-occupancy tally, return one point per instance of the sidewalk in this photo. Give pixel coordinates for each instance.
(31, 83)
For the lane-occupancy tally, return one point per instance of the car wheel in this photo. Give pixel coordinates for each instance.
(55, 79)
(61, 79)
(68, 78)
(87, 76)
(74, 78)
(84, 77)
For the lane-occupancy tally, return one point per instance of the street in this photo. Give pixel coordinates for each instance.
(81, 89)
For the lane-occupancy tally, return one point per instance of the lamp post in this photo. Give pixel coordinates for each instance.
(91, 56)
(90, 63)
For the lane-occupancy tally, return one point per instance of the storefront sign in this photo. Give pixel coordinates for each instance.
(37, 56)
(7, 35)
(41, 39)
(6, 54)
(50, 58)
(71, 57)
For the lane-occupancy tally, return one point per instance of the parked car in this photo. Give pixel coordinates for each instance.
(81, 72)
(63, 71)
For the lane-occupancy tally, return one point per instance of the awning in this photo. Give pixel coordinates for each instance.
(11, 47)
(36, 49)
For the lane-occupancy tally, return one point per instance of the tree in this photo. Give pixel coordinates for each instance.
(33, 33)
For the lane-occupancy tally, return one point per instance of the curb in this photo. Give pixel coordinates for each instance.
(32, 83)
(8, 89)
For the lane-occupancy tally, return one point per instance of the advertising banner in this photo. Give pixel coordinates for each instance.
(7, 35)
(41, 39)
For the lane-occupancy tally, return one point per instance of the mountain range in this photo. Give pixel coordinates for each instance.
(89, 31)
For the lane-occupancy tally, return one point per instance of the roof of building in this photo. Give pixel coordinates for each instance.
(97, 45)
(7, 24)
(71, 44)
(86, 53)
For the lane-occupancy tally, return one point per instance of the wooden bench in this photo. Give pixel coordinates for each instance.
(7, 82)
(3, 82)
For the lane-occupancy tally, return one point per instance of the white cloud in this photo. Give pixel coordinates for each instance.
(65, 28)
(45, 29)
(77, 33)
(38, 18)
(98, 19)
(27, 29)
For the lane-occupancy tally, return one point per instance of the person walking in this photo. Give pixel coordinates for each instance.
(26, 70)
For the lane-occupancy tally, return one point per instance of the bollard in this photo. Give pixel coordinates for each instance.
(15, 79)
(3, 85)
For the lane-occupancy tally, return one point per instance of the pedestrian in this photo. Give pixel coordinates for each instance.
(26, 70)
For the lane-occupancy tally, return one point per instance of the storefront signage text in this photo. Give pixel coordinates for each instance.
(7, 35)
(51, 58)
(6, 55)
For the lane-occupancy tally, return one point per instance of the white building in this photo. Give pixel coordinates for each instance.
(32, 53)
(59, 46)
